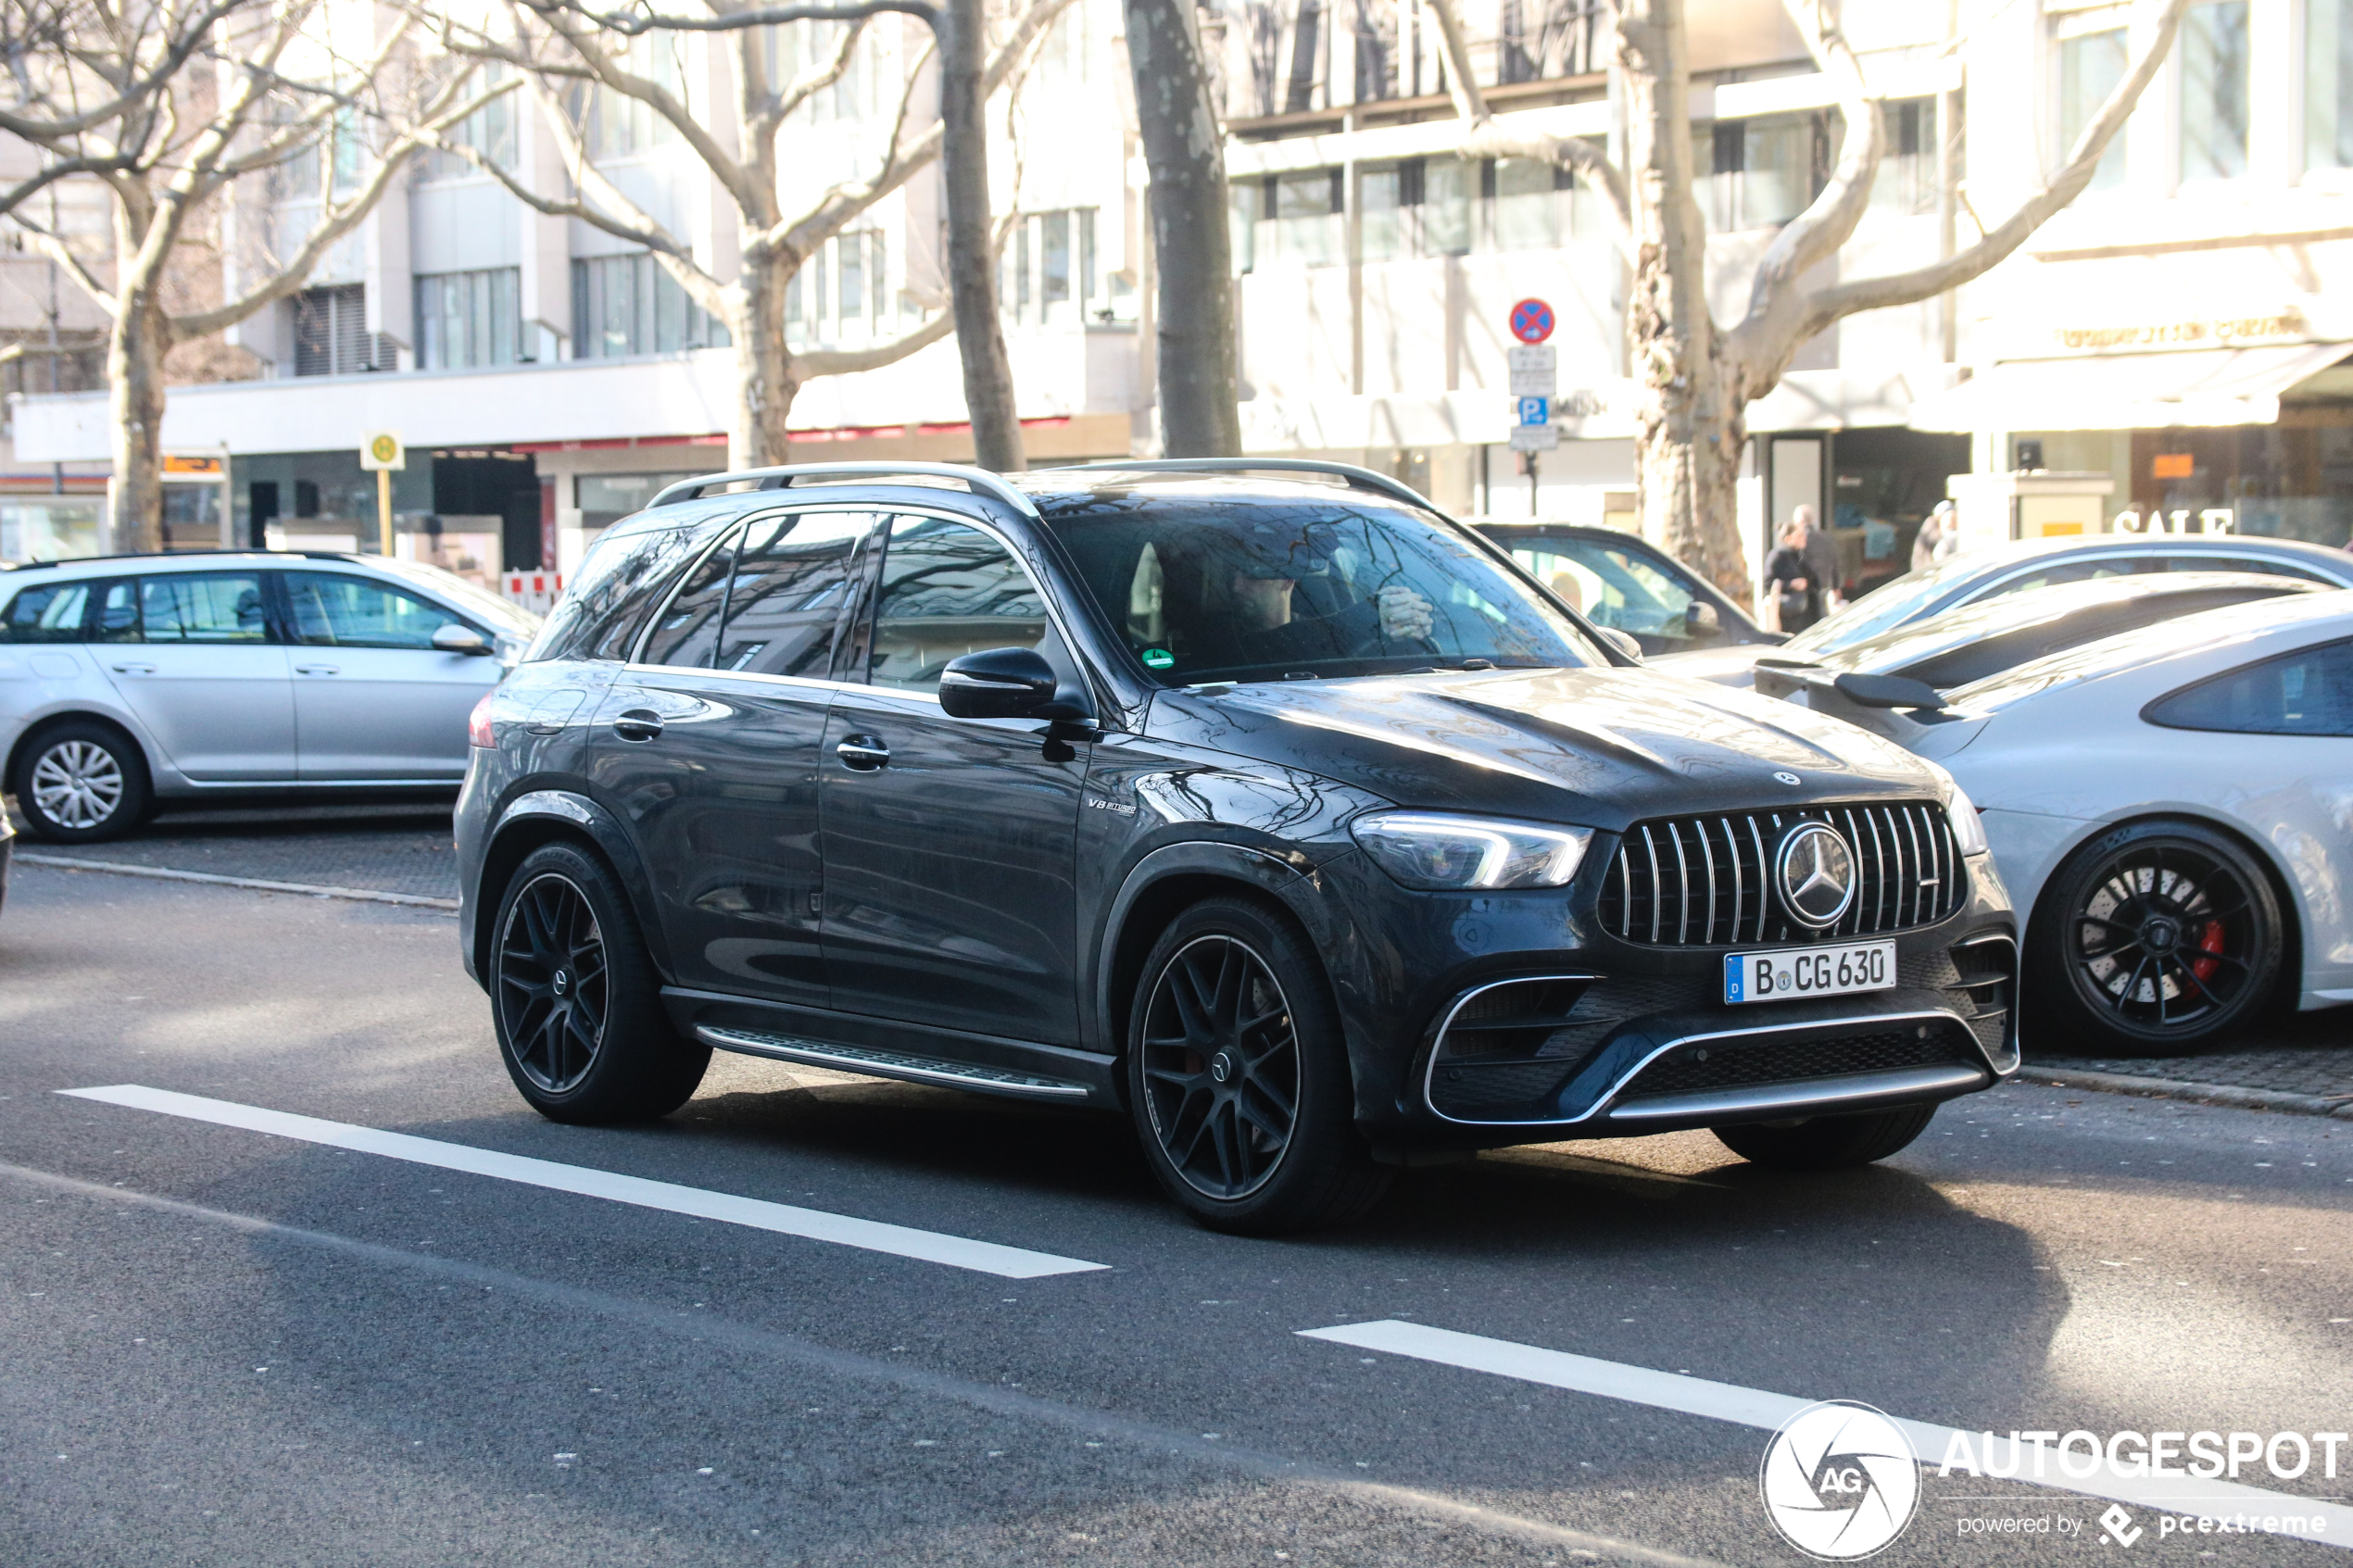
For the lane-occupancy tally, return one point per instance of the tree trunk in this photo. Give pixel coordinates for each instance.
(765, 380)
(971, 257)
(1690, 404)
(1193, 252)
(135, 348)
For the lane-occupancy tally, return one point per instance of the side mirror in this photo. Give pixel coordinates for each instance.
(1887, 691)
(451, 637)
(997, 683)
(1622, 641)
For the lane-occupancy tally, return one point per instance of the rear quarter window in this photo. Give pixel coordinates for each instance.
(615, 589)
(2306, 692)
(46, 612)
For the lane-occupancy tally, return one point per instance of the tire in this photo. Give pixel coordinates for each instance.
(576, 1002)
(1232, 1023)
(82, 782)
(1827, 1143)
(2154, 939)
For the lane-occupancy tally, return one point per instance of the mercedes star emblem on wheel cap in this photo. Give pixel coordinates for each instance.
(1789, 778)
(1816, 872)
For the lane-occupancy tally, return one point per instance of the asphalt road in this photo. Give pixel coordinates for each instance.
(233, 1346)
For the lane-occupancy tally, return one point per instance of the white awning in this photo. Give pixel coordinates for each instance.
(2205, 387)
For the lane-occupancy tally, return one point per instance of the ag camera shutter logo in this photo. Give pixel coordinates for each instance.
(1839, 1481)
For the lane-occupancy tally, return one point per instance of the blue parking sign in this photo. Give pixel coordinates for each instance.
(1536, 410)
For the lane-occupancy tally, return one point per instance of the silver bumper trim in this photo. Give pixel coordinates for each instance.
(888, 1064)
(1818, 1097)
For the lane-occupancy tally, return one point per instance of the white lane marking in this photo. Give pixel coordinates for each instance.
(930, 1246)
(2327, 1523)
(164, 873)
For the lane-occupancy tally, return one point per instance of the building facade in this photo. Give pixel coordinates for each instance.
(2173, 339)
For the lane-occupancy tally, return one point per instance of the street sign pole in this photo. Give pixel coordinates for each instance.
(382, 452)
(1535, 372)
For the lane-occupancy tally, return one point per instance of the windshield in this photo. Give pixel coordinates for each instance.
(1881, 610)
(1217, 589)
(1618, 587)
(449, 585)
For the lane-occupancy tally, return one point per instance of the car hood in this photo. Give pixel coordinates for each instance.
(1731, 666)
(1602, 747)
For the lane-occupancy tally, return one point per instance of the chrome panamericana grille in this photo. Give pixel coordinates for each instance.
(1706, 880)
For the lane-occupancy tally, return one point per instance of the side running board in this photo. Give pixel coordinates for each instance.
(889, 1064)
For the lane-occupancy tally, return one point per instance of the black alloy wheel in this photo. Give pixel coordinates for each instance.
(576, 1000)
(1221, 1066)
(1238, 1077)
(82, 782)
(2155, 939)
(553, 990)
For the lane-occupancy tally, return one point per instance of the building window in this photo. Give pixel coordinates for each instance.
(1765, 172)
(2328, 84)
(2090, 64)
(1531, 204)
(1905, 184)
(2214, 90)
(331, 332)
(623, 305)
(467, 319)
(490, 130)
(616, 125)
(1299, 219)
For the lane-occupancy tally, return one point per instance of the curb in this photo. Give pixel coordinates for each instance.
(162, 873)
(2204, 1093)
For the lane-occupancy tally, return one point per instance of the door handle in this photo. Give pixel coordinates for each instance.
(316, 670)
(637, 723)
(133, 669)
(862, 753)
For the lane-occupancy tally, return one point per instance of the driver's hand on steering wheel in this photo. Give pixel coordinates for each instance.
(1404, 614)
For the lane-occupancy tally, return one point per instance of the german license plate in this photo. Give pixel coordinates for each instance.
(1792, 973)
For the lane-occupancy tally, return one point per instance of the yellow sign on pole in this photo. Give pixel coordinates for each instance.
(382, 452)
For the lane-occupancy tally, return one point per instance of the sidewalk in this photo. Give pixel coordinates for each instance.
(2300, 1062)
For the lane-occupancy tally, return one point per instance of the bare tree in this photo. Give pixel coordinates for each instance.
(169, 105)
(1694, 377)
(1192, 251)
(562, 44)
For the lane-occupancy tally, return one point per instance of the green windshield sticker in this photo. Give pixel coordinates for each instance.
(1158, 658)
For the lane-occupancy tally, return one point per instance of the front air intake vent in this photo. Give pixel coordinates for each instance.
(1707, 881)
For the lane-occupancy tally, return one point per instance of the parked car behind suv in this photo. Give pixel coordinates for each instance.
(1279, 811)
(2019, 568)
(1621, 581)
(131, 680)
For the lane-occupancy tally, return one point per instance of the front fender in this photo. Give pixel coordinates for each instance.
(1304, 891)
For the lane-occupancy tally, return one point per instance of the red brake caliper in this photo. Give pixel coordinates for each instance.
(2208, 941)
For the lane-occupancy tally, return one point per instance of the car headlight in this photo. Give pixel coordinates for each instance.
(1969, 832)
(1427, 850)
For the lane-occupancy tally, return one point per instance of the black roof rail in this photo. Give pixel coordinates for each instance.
(1357, 478)
(980, 482)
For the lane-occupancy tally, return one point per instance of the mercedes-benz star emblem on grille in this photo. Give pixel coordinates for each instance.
(1790, 779)
(1816, 871)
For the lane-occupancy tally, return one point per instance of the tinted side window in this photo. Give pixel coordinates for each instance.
(330, 611)
(213, 607)
(1624, 591)
(2306, 692)
(794, 576)
(687, 631)
(949, 590)
(601, 613)
(2075, 572)
(47, 612)
(2263, 564)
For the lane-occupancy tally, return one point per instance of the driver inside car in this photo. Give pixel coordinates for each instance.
(1266, 609)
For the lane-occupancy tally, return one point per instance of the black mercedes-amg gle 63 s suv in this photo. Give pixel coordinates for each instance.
(1259, 802)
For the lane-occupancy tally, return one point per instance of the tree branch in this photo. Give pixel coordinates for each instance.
(1483, 138)
(812, 363)
(1819, 309)
(634, 24)
(58, 251)
(337, 219)
(692, 130)
(176, 54)
(842, 203)
(112, 163)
